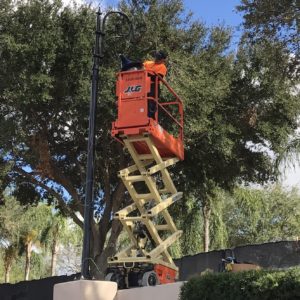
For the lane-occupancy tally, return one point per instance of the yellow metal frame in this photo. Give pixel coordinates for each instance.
(150, 169)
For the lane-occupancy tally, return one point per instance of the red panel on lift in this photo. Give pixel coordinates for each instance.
(167, 144)
(132, 89)
(133, 120)
(165, 274)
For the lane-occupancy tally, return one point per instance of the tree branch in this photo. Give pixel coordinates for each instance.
(64, 207)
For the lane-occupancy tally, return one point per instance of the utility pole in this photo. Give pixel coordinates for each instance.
(89, 190)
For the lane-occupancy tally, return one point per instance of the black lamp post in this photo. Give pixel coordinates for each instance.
(89, 191)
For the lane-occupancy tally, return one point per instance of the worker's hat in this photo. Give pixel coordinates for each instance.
(159, 55)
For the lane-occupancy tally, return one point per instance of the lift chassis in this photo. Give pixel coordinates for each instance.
(150, 227)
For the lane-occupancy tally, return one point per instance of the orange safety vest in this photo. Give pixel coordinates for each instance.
(159, 68)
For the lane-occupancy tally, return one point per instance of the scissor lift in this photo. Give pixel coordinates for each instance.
(147, 261)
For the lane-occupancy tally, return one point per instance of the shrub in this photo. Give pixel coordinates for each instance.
(254, 285)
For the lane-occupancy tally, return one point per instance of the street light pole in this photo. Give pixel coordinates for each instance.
(89, 190)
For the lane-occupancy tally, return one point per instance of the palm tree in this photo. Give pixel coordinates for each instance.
(290, 156)
(10, 254)
(29, 239)
(53, 234)
(36, 219)
(11, 213)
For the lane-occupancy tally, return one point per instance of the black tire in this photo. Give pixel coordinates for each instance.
(117, 278)
(150, 279)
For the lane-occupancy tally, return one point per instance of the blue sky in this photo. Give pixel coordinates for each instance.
(211, 12)
(215, 11)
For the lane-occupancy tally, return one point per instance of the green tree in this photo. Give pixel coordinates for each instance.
(19, 232)
(254, 116)
(54, 234)
(35, 220)
(10, 211)
(277, 21)
(238, 110)
(9, 256)
(191, 223)
(11, 214)
(42, 234)
(44, 92)
(255, 216)
(70, 247)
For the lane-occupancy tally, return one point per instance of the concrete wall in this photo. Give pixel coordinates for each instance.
(85, 290)
(169, 291)
(104, 290)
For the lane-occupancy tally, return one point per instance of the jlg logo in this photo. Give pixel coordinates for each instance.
(133, 89)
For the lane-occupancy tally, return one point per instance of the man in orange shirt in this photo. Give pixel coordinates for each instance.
(158, 65)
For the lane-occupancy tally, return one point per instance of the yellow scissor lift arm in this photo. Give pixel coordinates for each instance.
(146, 208)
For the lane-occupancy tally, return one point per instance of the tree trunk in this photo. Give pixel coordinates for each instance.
(9, 257)
(109, 250)
(54, 253)
(100, 251)
(28, 258)
(206, 210)
(7, 273)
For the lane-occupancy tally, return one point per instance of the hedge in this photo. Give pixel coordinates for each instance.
(254, 285)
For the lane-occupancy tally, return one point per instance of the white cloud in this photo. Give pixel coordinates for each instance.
(73, 3)
(93, 3)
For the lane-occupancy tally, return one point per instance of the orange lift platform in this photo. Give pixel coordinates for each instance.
(150, 127)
